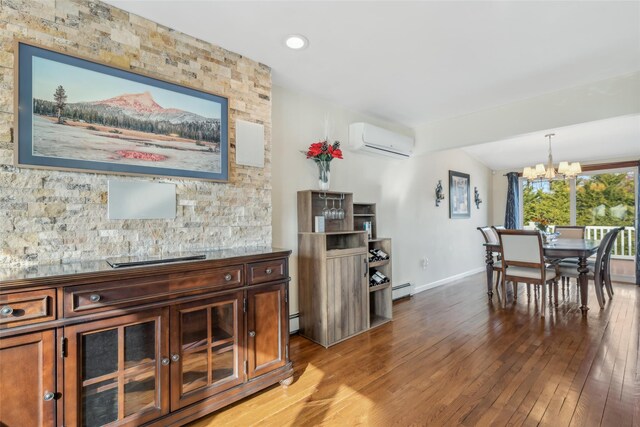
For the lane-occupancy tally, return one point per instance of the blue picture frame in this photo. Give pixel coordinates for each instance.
(110, 120)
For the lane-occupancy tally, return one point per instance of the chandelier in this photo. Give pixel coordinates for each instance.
(565, 169)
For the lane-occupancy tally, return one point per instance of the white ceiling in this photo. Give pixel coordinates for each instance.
(413, 62)
(609, 139)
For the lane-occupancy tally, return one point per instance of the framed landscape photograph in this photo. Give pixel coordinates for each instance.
(459, 195)
(80, 115)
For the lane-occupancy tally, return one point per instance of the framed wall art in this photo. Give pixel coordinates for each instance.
(459, 195)
(77, 114)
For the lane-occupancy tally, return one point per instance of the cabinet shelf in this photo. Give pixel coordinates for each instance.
(222, 342)
(224, 349)
(203, 343)
(365, 213)
(379, 287)
(379, 263)
(312, 202)
(380, 304)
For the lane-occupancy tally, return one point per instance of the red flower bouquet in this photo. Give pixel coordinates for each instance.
(322, 150)
(322, 153)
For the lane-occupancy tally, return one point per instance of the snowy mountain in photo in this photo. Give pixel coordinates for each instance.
(142, 106)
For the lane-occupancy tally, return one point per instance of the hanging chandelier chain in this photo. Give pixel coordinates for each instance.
(550, 160)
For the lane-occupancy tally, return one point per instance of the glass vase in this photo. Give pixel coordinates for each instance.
(324, 174)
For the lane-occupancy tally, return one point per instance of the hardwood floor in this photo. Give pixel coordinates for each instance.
(451, 358)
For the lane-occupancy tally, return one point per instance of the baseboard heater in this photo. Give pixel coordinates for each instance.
(294, 323)
(401, 291)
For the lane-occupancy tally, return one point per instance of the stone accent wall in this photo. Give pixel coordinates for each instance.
(54, 216)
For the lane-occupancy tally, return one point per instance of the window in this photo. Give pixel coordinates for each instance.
(599, 200)
(605, 199)
(546, 200)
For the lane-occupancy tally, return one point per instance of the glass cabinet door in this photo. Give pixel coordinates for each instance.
(206, 348)
(120, 374)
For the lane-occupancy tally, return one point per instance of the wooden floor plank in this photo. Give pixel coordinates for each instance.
(452, 358)
(620, 402)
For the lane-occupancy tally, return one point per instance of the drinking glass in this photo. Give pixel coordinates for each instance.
(326, 212)
(340, 210)
(334, 212)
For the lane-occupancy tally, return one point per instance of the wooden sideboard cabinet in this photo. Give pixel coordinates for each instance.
(155, 345)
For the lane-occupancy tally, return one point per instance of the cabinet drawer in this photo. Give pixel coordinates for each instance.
(85, 299)
(23, 308)
(267, 271)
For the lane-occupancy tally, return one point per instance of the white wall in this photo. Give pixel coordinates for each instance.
(403, 190)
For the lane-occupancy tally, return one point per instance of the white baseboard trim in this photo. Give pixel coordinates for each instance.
(623, 278)
(446, 280)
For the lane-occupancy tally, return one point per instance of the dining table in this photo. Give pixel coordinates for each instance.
(556, 249)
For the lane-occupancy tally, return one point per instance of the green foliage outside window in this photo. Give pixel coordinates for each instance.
(601, 200)
(544, 200)
(605, 199)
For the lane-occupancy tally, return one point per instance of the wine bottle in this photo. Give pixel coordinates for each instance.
(381, 254)
(377, 278)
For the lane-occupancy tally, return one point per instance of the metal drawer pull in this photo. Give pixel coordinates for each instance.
(6, 311)
(49, 396)
(175, 357)
(252, 334)
(165, 361)
(94, 297)
(228, 277)
(268, 271)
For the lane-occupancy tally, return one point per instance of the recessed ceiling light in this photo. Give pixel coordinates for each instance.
(296, 42)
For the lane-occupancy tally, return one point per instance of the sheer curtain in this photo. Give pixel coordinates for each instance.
(512, 214)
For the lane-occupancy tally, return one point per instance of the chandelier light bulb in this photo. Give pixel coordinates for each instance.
(576, 168)
(564, 167)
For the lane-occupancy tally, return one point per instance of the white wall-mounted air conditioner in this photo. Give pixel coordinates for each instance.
(372, 139)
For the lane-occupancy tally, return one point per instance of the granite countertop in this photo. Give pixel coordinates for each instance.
(50, 272)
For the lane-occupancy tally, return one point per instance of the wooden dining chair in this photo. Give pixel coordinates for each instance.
(496, 229)
(597, 270)
(570, 231)
(523, 261)
(607, 266)
(491, 237)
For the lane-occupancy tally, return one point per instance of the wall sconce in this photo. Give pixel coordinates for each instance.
(476, 197)
(439, 193)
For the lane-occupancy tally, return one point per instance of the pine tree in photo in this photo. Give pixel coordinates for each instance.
(60, 97)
